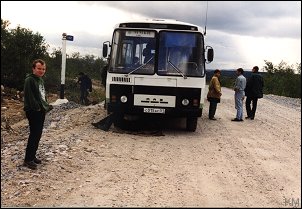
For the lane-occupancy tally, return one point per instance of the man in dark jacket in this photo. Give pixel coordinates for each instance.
(35, 107)
(85, 86)
(253, 91)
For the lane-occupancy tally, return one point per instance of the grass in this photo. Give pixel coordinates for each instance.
(72, 92)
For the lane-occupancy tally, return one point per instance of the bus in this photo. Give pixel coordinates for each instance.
(157, 67)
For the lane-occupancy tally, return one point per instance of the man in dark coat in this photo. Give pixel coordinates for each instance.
(253, 91)
(85, 86)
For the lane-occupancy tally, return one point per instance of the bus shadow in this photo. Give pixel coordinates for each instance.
(154, 126)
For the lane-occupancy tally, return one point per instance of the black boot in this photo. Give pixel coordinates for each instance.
(105, 123)
(108, 122)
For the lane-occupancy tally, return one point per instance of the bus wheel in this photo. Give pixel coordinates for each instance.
(191, 124)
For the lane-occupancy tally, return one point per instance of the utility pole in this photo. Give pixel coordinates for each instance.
(64, 38)
(63, 65)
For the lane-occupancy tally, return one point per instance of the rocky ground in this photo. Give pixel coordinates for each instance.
(256, 163)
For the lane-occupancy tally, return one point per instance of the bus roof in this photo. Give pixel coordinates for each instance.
(159, 24)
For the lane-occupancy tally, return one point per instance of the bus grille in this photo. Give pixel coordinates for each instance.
(121, 79)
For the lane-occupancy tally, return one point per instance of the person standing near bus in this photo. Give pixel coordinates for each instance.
(85, 87)
(239, 87)
(35, 107)
(214, 93)
(253, 91)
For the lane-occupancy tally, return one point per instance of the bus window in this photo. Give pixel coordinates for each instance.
(178, 54)
(133, 51)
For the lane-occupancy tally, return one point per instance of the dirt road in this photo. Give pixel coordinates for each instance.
(255, 163)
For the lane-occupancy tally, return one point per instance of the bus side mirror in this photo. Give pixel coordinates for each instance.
(210, 54)
(105, 50)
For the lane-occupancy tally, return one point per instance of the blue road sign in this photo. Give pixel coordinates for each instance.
(69, 38)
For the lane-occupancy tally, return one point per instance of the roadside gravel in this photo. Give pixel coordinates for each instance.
(255, 163)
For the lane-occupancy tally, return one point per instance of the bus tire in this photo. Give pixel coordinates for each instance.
(191, 124)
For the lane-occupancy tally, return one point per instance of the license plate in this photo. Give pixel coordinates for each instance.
(154, 110)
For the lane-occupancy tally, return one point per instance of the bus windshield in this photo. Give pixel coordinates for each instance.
(133, 51)
(181, 54)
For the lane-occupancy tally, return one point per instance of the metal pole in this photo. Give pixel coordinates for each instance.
(63, 65)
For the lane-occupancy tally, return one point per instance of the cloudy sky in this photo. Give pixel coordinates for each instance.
(242, 33)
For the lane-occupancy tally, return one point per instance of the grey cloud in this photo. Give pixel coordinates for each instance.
(253, 18)
(257, 18)
(225, 19)
(225, 52)
(81, 40)
(84, 39)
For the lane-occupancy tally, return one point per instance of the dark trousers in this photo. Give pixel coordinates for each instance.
(251, 111)
(109, 120)
(84, 95)
(212, 109)
(36, 122)
(114, 117)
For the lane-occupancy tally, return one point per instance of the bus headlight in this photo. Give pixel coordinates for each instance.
(124, 99)
(185, 102)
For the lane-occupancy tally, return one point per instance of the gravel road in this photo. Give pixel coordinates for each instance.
(255, 163)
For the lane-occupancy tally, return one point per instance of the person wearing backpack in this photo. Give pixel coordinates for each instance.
(85, 87)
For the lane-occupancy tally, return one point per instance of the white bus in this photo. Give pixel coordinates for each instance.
(157, 67)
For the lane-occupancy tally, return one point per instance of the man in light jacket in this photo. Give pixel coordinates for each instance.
(239, 87)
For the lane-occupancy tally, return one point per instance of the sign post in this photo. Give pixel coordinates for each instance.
(64, 38)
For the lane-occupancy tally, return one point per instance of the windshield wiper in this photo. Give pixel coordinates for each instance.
(176, 68)
(139, 67)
